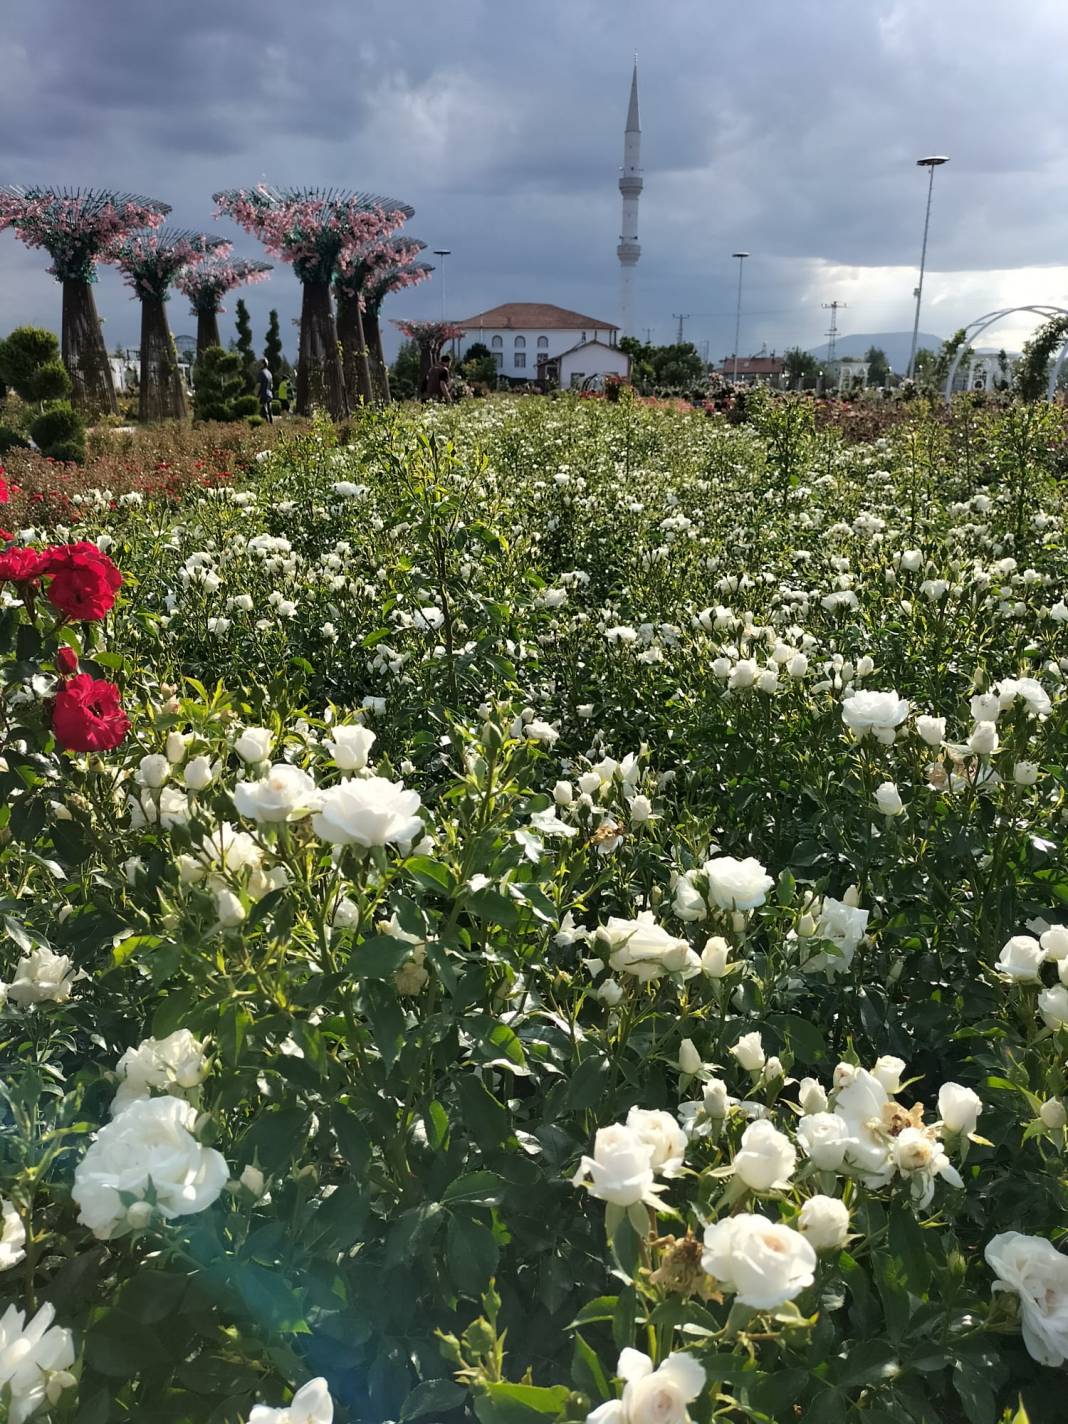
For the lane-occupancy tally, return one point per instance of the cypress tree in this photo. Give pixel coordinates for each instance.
(244, 346)
(272, 349)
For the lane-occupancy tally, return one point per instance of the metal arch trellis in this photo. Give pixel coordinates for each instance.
(976, 328)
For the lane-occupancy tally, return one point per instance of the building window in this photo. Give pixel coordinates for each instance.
(498, 358)
(543, 343)
(520, 342)
(520, 359)
(497, 343)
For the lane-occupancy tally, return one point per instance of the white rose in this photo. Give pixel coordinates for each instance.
(350, 746)
(860, 1104)
(149, 1147)
(743, 674)
(824, 1137)
(715, 957)
(812, 1096)
(1053, 1006)
(773, 1069)
(1054, 942)
(959, 1108)
(1032, 1269)
(177, 1062)
(715, 1099)
(876, 712)
(589, 782)
(984, 739)
(652, 1396)
(662, 1135)
(1025, 773)
(311, 1404)
(610, 993)
(911, 560)
(643, 948)
(797, 667)
(737, 884)
(229, 910)
(371, 811)
(173, 808)
(620, 1170)
(153, 770)
(1053, 1114)
(563, 793)
(749, 1051)
(688, 903)
(844, 925)
(887, 1072)
(764, 1262)
(888, 799)
(1020, 960)
(175, 746)
(539, 731)
(12, 1236)
(285, 794)
(198, 773)
(985, 707)
(766, 1159)
(641, 809)
(932, 730)
(35, 1361)
(824, 1223)
(254, 744)
(252, 1180)
(42, 975)
(689, 1058)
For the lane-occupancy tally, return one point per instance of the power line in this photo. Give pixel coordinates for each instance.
(684, 317)
(832, 334)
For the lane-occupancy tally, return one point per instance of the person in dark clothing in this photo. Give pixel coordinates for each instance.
(266, 391)
(437, 381)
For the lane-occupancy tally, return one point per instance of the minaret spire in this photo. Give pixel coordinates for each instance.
(630, 186)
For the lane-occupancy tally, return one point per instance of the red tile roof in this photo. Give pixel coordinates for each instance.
(534, 316)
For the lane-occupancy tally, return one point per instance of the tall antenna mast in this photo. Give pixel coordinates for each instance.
(832, 332)
(680, 317)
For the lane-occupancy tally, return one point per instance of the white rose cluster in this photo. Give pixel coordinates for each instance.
(724, 882)
(1033, 1270)
(312, 1404)
(175, 1064)
(35, 1361)
(660, 1396)
(645, 949)
(627, 1156)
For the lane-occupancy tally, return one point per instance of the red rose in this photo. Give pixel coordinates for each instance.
(67, 661)
(84, 581)
(20, 565)
(87, 715)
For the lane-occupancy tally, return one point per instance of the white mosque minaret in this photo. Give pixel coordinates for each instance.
(630, 186)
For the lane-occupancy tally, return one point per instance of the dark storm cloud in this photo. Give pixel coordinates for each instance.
(790, 129)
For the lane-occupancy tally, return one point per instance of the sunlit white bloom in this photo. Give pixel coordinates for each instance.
(285, 794)
(620, 1170)
(175, 1064)
(1020, 959)
(1032, 1269)
(254, 744)
(932, 730)
(763, 1262)
(812, 1096)
(369, 811)
(888, 1072)
(311, 1404)
(749, 1051)
(12, 1236)
(651, 1396)
(766, 1159)
(35, 1361)
(1053, 1006)
(959, 1108)
(824, 1223)
(350, 746)
(737, 884)
(879, 713)
(643, 948)
(824, 1136)
(42, 976)
(662, 1135)
(888, 799)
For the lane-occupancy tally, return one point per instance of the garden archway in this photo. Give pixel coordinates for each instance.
(976, 328)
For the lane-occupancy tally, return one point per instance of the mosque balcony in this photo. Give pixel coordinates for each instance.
(628, 252)
(630, 185)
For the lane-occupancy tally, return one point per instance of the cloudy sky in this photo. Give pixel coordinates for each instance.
(789, 128)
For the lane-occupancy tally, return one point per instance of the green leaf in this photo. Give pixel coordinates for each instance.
(378, 956)
(430, 1396)
(869, 1363)
(430, 874)
(907, 1244)
(492, 906)
(472, 1253)
(436, 1122)
(486, 1118)
(975, 1392)
(520, 1403)
(481, 1187)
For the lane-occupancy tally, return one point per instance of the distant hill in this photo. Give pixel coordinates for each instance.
(896, 344)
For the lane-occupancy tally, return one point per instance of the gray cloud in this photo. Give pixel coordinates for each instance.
(790, 129)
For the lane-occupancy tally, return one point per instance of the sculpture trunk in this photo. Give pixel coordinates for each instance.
(320, 381)
(379, 370)
(162, 389)
(352, 338)
(84, 353)
(207, 331)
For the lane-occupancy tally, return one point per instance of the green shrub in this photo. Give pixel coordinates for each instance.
(11, 439)
(220, 387)
(22, 355)
(50, 382)
(59, 433)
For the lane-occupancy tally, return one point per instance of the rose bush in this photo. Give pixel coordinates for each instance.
(574, 929)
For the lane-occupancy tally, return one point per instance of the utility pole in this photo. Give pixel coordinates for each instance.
(935, 161)
(680, 318)
(741, 256)
(648, 336)
(832, 333)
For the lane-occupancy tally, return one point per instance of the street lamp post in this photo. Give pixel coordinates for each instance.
(443, 252)
(741, 256)
(935, 161)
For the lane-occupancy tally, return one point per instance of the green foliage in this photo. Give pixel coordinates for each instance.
(665, 370)
(59, 432)
(12, 439)
(272, 348)
(219, 387)
(878, 366)
(405, 373)
(801, 366)
(50, 382)
(1032, 369)
(245, 350)
(23, 354)
(478, 365)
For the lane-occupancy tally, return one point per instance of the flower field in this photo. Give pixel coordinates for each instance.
(544, 911)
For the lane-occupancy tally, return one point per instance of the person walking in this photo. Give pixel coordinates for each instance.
(266, 391)
(283, 395)
(437, 381)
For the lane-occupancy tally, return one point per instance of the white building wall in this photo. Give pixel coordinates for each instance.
(591, 361)
(556, 342)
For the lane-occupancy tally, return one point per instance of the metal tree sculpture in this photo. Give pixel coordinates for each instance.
(355, 273)
(150, 263)
(390, 279)
(315, 229)
(207, 283)
(74, 226)
(430, 337)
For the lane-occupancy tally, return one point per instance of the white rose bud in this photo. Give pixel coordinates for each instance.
(1054, 943)
(229, 908)
(766, 1159)
(844, 1074)
(888, 799)
(716, 1101)
(811, 1096)
(589, 782)
(797, 667)
(139, 1214)
(749, 1051)
(641, 808)
(932, 730)
(824, 1223)
(865, 666)
(773, 1069)
(689, 1058)
(252, 1180)
(563, 793)
(984, 739)
(153, 770)
(715, 957)
(609, 993)
(959, 1108)
(1025, 773)
(198, 773)
(254, 744)
(887, 1072)
(175, 746)
(1053, 1114)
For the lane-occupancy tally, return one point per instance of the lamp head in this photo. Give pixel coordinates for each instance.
(739, 254)
(933, 162)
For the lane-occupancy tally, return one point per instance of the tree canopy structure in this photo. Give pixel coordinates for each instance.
(207, 283)
(378, 288)
(430, 337)
(355, 273)
(150, 263)
(316, 230)
(75, 227)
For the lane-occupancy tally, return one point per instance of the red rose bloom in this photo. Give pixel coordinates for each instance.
(20, 565)
(67, 661)
(5, 493)
(84, 581)
(87, 715)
